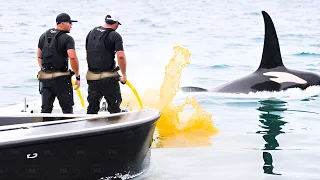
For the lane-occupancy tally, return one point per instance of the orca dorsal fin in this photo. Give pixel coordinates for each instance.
(271, 55)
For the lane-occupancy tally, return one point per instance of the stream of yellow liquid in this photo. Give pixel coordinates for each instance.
(175, 128)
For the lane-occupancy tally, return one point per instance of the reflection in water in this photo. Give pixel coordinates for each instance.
(271, 123)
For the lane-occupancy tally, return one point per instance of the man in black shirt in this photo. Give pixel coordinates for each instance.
(102, 43)
(54, 49)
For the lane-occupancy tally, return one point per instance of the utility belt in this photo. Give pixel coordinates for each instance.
(97, 76)
(49, 75)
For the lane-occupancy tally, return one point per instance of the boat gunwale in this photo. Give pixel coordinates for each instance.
(76, 132)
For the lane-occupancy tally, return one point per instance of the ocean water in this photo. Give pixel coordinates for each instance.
(264, 135)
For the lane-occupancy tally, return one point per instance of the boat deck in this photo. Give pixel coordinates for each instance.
(33, 127)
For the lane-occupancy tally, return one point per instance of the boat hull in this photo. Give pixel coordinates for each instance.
(102, 148)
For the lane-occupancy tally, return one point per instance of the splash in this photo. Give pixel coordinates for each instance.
(176, 127)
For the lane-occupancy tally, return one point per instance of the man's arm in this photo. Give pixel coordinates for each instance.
(74, 62)
(39, 52)
(73, 59)
(39, 58)
(86, 45)
(122, 60)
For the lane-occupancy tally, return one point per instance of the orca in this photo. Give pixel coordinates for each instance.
(271, 75)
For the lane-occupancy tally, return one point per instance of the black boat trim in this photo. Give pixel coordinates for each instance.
(81, 131)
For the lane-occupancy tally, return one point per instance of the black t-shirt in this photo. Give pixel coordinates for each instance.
(113, 42)
(65, 42)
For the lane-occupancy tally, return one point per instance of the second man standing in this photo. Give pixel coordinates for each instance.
(102, 44)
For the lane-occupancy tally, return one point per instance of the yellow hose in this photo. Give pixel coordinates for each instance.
(127, 82)
(135, 93)
(79, 94)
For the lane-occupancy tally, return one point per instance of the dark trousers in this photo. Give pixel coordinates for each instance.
(108, 88)
(59, 87)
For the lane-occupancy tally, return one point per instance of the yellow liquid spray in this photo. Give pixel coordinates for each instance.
(176, 128)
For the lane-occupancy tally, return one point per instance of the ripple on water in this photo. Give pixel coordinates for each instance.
(12, 86)
(28, 51)
(253, 14)
(7, 42)
(144, 20)
(22, 24)
(316, 45)
(307, 54)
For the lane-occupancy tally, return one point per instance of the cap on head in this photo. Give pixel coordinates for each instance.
(64, 17)
(112, 16)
